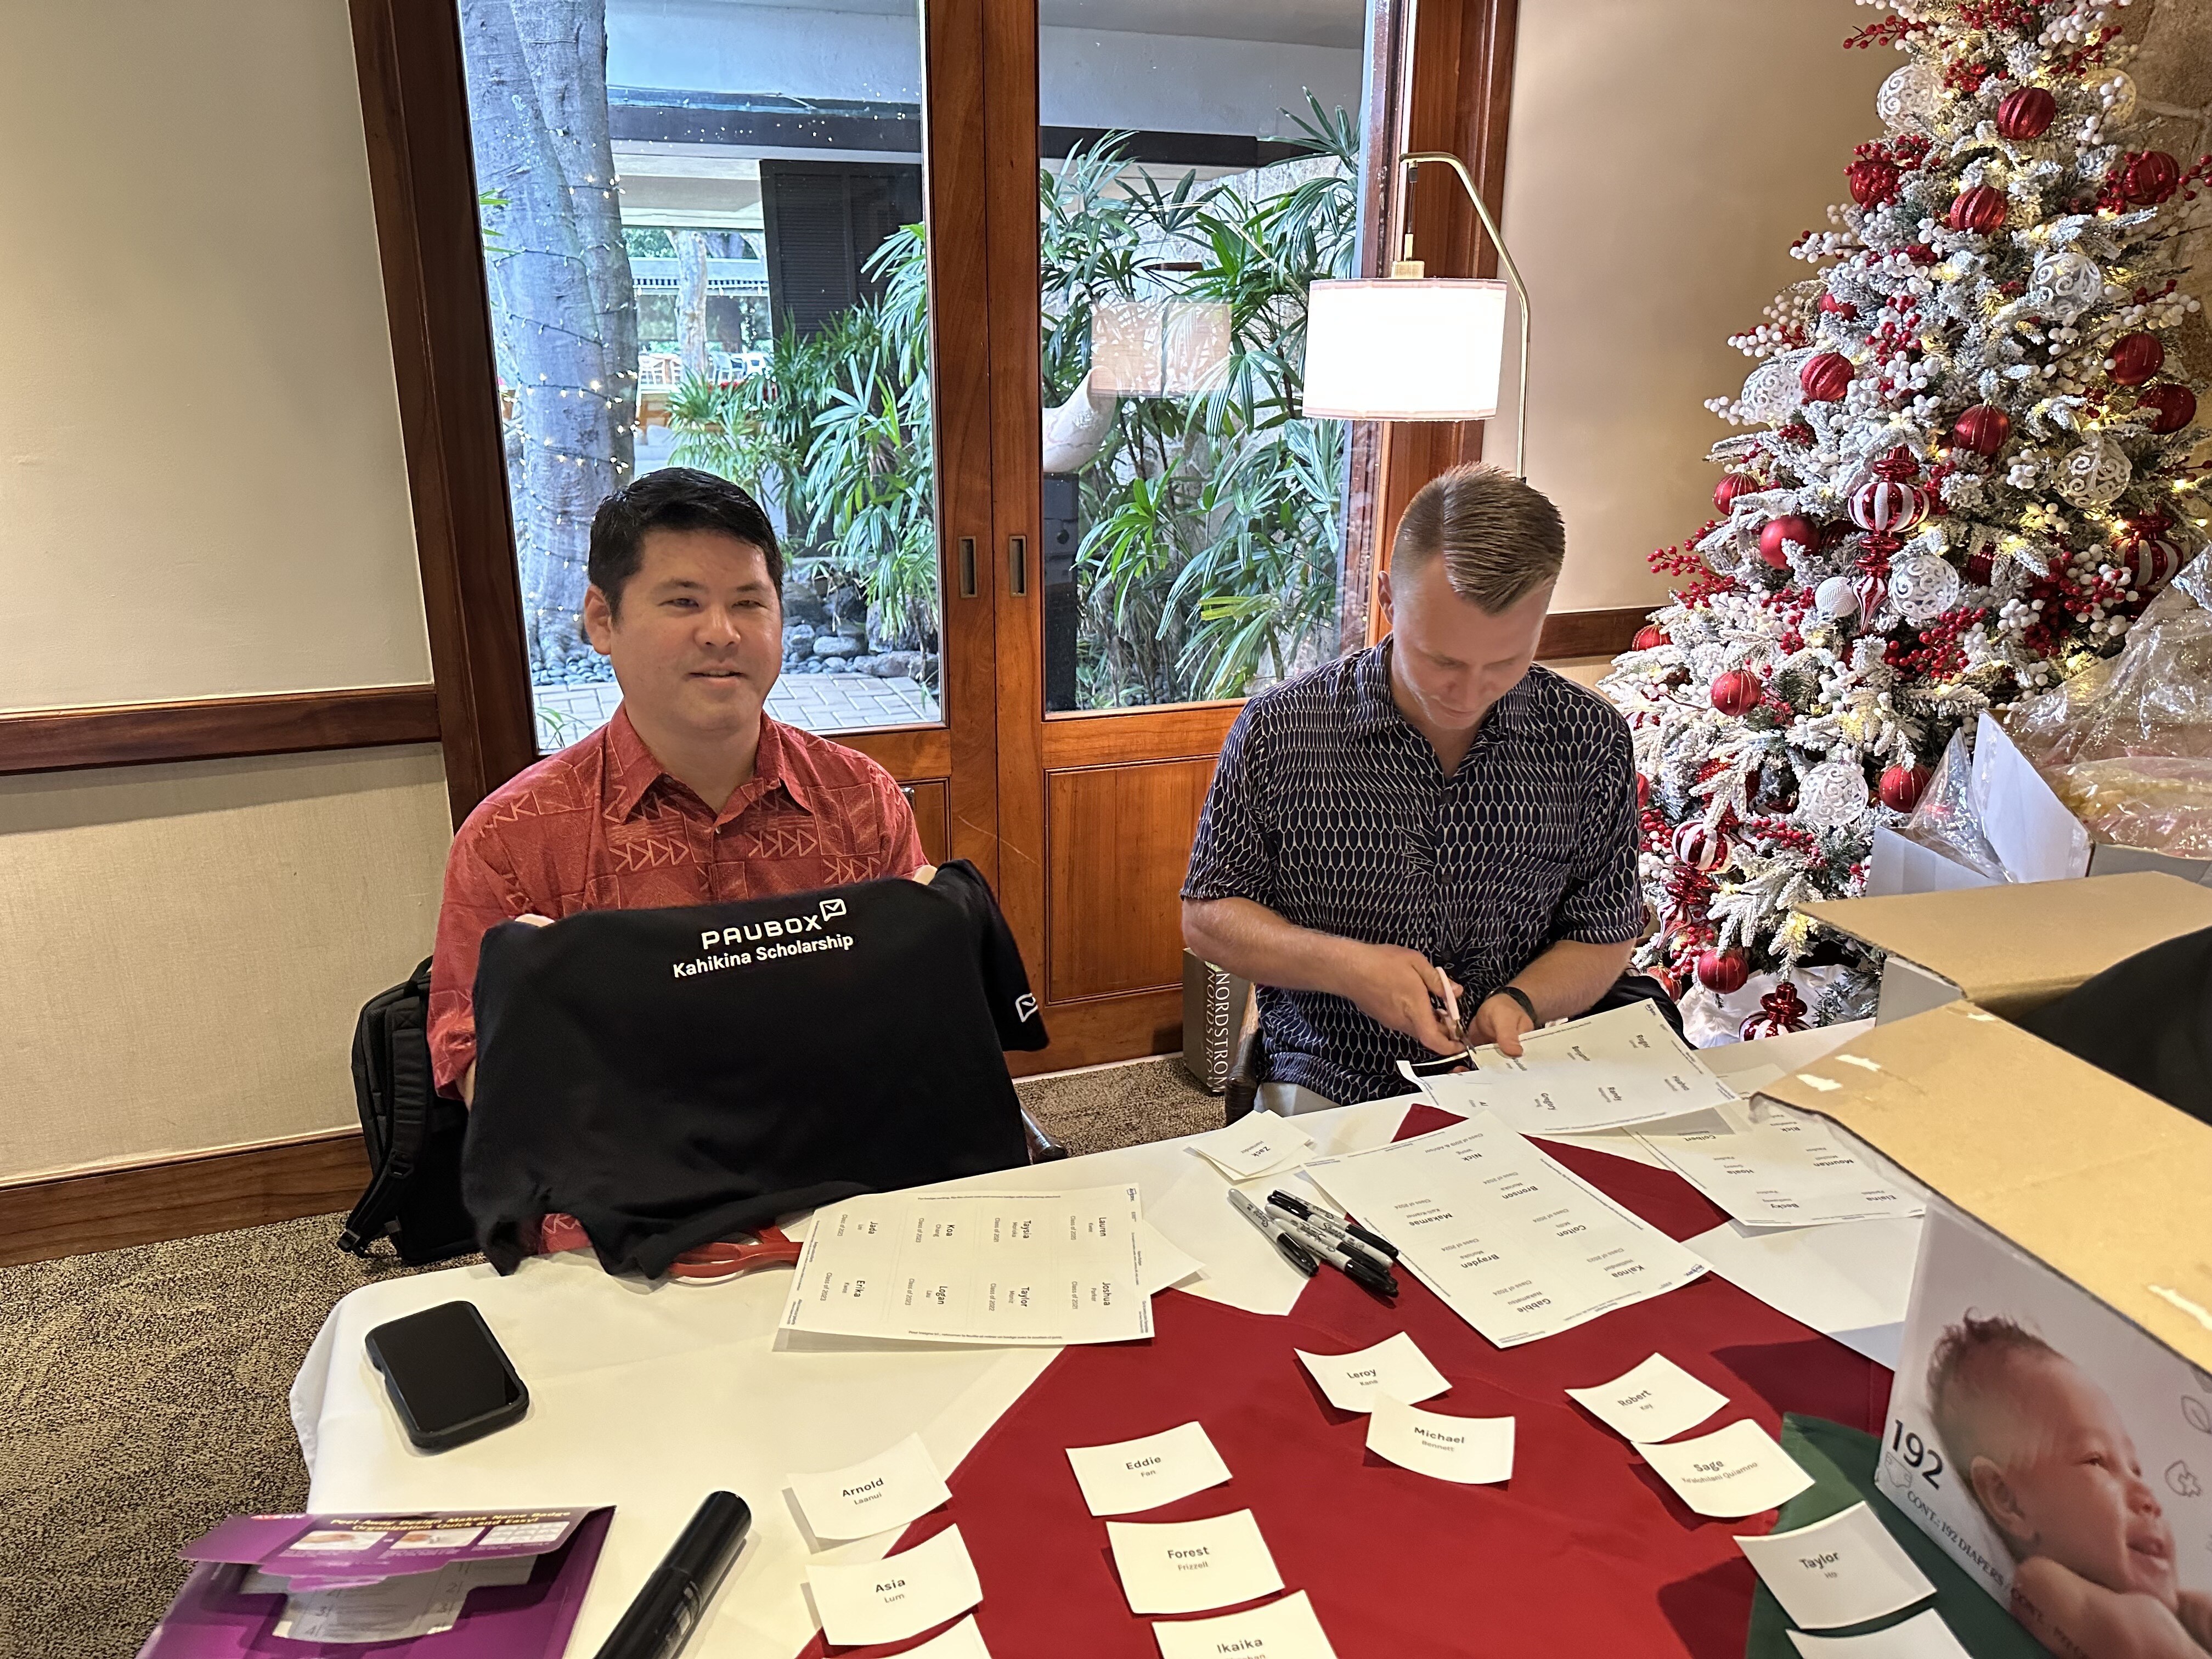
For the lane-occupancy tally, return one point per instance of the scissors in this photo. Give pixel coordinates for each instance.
(724, 1259)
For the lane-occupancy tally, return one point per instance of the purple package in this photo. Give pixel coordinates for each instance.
(216, 1616)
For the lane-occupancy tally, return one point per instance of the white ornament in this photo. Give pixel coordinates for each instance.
(1907, 99)
(1836, 599)
(2064, 284)
(2095, 473)
(1924, 584)
(1770, 392)
(1833, 794)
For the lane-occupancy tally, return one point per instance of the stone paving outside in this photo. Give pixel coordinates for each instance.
(819, 702)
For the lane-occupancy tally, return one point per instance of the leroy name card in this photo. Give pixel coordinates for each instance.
(1471, 1450)
(874, 1495)
(1656, 1401)
(1142, 1474)
(1843, 1570)
(1735, 1472)
(1393, 1368)
(899, 1596)
(1188, 1566)
(1282, 1630)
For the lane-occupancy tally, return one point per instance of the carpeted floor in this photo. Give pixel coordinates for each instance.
(143, 1391)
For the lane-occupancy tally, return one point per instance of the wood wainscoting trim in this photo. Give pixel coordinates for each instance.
(1591, 633)
(113, 1208)
(217, 728)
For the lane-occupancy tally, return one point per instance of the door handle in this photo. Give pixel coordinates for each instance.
(967, 567)
(1018, 564)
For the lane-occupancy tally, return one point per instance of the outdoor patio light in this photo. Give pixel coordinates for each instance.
(1410, 347)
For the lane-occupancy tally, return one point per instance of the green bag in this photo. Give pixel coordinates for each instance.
(1841, 1462)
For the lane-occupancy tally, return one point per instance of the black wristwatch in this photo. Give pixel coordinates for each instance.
(1521, 996)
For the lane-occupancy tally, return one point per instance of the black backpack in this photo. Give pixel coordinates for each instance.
(413, 1134)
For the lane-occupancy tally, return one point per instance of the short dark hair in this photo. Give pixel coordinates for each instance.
(672, 498)
(1500, 539)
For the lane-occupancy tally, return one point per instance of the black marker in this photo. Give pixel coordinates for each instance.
(1375, 1244)
(660, 1621)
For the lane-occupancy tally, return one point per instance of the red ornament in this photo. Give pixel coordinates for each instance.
(1887, 506)
(1700, 848)
(1779, 1011)
(1980, 209)
(1979, 567)
(1649, 637)
(1735, 485)
(1873, 182)
(1737, 692)
(2150, 178)
(1669, 981)
(1826, 378)
(1834, 306)
(2176, 406)
(2027, 114)
(1984, 429)
(1787, 528)
(1872, 587)
(1643, 792)
(1723, 971)
(2135, 358)
(1901, 787)
(2151, 559)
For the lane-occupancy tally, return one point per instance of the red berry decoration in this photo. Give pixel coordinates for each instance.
(1984, 429)
(1888, 506)
(1787, 528)
(1737, 692)
(2027, 114)
(1980, 209)
(1873, 182)
(2175, 407)
(1723, 971)
(1901, 787)
(2137, 357)
(1648, 638)
(1826, 378)
(2150, 178)
(1735, 485)
(1700, 848)
(1779, 1011)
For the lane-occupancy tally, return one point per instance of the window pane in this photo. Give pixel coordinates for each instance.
(1201, 168)
(702, 229)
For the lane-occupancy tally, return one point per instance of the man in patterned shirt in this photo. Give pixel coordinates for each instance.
(1429, 827)
(691, 794)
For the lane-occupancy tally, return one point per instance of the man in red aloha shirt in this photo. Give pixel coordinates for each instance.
(691, 794)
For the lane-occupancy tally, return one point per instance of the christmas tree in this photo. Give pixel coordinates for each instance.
(1965, 471)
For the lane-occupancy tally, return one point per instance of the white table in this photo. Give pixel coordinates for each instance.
(647, 1397)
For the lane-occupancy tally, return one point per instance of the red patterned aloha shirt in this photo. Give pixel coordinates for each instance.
(601, 826)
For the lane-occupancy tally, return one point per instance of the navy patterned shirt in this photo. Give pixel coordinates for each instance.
(1331, 810)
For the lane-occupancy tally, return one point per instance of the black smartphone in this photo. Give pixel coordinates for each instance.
(449, 1379)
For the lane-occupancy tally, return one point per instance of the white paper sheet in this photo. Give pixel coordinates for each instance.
(1512, 1242)
(1850, 1281)
(873, 1495)
(1731, 1473)
(1189, 1566)
(963, 1641)
(1843, 1570)
(1471, 1450)
(1241, 1269)
(1130, 1475)
(1161, 1261)
(1282, 1630)
(1656, 1401)
(1770, 1167)
(901, 1596)
(1624, 1065)
(1393, 1367)
(1259, 1143)
(1042, 1268)
(1923, 1635)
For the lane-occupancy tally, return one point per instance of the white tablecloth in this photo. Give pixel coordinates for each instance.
(647, 1397)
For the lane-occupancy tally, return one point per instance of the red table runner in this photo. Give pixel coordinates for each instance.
(1584, 1552)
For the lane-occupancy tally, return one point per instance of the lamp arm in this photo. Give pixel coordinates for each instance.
(1413, 159)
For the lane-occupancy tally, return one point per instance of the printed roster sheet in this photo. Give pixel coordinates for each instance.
(1039, 1269)
(1513, 1243)
(1601, 1072)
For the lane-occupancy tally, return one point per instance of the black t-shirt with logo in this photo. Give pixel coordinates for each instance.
(671, 1077)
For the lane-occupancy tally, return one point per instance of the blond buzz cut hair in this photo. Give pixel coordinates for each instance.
(1500, 539)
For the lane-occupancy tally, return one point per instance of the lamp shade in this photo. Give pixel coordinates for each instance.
(1405, 349)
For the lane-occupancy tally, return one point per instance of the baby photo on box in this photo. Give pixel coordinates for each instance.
(2056, 1449)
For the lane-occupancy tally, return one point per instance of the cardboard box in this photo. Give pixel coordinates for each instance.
(2013, 947)
(2050, 1420)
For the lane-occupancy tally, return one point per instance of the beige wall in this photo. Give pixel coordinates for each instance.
(203, 494)
(1661, 160)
